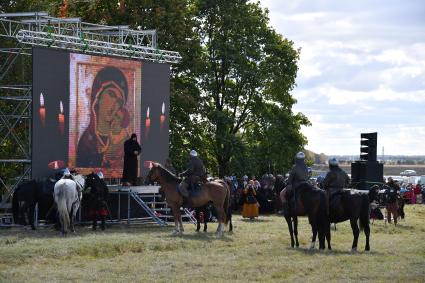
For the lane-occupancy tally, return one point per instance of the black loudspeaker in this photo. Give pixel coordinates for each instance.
(365, 173)
(368, 145)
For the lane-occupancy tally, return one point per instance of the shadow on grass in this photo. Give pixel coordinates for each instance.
(256, 220)
(203, 236)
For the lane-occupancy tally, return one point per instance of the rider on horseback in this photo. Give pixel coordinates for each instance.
(297, 176)
(336, 179)
(194, 173)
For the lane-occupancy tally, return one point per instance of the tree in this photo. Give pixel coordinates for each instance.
(248, 73)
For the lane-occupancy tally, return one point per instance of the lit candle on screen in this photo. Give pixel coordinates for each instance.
(162, 117)
(42, 110)
(61, 118)
(147, 123)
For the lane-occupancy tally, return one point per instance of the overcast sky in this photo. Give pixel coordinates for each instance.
(362, 69)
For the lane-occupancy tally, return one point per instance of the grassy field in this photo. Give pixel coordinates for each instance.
(257, 251)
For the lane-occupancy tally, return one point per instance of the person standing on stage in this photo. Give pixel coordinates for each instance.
(131, 150)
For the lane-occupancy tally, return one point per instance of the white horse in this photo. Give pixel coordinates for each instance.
(67, 194)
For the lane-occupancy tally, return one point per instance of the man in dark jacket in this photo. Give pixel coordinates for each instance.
(131, 150)
(193, 174)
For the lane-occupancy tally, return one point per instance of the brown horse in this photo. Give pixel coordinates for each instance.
(216, 191)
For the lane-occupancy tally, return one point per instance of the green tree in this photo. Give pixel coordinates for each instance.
(248, 73)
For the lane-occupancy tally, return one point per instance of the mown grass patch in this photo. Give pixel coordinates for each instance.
(256, 251)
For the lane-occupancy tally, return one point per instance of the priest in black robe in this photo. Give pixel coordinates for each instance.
(131, 150)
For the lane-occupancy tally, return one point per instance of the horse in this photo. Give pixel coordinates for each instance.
(353, 206)
(67, 195)
(310, 202)
(96, 199)
(279, 185)
(216, 191)
(30, 193)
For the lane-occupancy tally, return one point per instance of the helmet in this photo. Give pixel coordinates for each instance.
(333, 162)
(300, 155)
(66, 172)
(100, 174)
(193, 153)
(245, 177)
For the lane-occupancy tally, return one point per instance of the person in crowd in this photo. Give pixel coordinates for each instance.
(131, 150)
(391, 204)
(169, 166)
(250, 205)
(192, 175)
(336, 179)
(297, 176)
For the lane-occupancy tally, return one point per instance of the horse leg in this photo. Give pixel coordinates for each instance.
(198, 220)
(181, 224)
(328, 237)
(291, 232)
(356, 232)
(314, 230)
(297, 244)
(177, 217)
(367, 234)
(102, 224)
(205, 220)
(31, 216)
(221, 219)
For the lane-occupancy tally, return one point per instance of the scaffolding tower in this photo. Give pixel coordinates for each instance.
(21, 31)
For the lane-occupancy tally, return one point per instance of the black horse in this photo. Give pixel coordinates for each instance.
(96, 199)
(353, 206)
(310, 202)
(30, 193)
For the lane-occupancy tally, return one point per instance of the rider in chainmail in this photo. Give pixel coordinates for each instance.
(297, 176)
(336, 179)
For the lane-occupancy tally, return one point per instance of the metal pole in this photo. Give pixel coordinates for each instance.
(119, 205)
(128, 206)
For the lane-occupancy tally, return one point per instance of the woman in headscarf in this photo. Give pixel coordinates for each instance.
(250, 205)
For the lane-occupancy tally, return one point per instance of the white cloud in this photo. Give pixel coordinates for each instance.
(362, 68)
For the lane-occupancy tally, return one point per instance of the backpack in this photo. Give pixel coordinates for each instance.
(391, 195)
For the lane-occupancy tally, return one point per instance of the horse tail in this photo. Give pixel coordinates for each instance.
(364, 212)
(227, 205)
(62, 208)
(15, 206)
(322, 213)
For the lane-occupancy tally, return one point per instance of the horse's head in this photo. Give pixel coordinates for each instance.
(154, 174)
(91, 180)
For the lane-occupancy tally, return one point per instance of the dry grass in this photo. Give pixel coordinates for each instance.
(257, 251)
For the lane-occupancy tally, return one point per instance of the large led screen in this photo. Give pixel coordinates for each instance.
(85, 107)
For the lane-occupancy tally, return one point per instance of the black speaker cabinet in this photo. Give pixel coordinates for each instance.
(365, 173)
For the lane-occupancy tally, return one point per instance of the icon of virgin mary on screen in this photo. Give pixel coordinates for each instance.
(101, 143)
(105, 107)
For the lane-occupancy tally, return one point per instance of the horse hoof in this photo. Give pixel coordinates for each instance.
(175, 233)
(354, 250)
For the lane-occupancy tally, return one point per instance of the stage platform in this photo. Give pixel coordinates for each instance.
(135, 189)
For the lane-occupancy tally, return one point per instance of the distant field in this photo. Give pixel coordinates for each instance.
(388, 169)
(256, 251)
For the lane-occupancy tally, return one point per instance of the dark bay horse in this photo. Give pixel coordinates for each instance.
(30, 193)
(353, 206)
(310, 202)
(216, 192)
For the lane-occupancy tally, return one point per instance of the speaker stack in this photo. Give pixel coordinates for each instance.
(367, 171)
